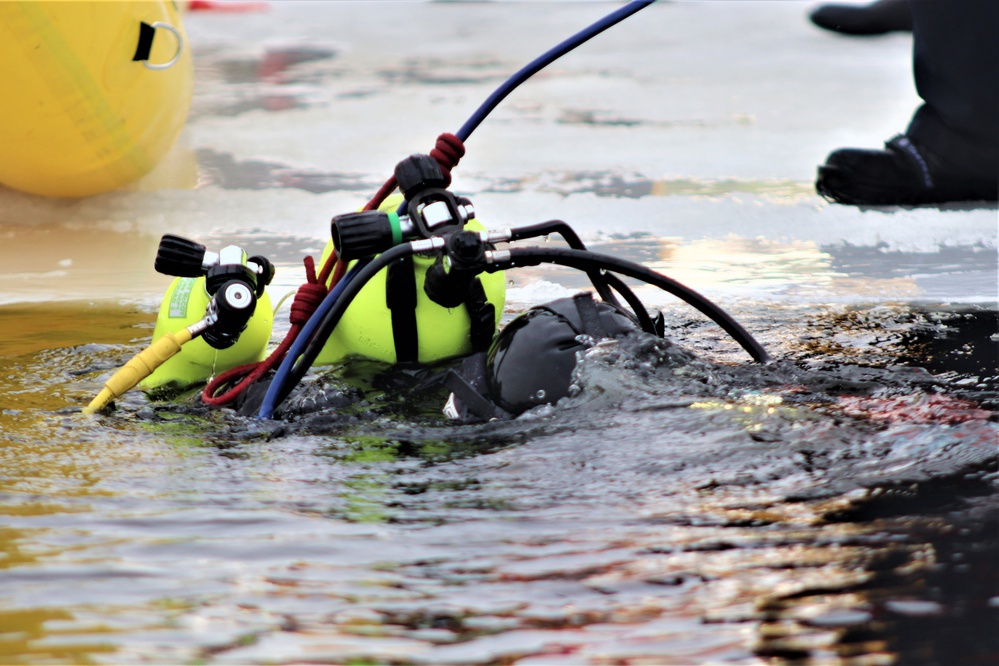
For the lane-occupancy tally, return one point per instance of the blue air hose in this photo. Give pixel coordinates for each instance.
(274, 391)
(546, 59)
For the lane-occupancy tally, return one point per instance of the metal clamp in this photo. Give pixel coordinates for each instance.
(176, 56)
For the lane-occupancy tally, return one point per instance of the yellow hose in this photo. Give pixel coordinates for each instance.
(137, 369)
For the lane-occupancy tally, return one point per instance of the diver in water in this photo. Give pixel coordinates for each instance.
(413, 280)
(532, 360)
(425, 284)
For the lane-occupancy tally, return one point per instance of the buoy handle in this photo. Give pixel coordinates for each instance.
(176, 56)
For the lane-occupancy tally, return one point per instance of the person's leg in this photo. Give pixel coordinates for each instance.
(876, 18)
(950, 151)
(956, 68)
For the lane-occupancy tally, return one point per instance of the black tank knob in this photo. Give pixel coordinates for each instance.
(367, 233)
(180, 257)
(419, 172)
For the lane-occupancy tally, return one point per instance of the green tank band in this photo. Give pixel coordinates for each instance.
(396, 228)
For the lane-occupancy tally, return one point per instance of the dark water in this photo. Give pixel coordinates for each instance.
(839, 504)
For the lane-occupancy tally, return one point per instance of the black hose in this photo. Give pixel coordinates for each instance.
(580, 259)
(602, 282)
(333, 315)
(584, 260)
(644, 320)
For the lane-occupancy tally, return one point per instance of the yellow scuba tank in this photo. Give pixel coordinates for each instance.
(217, 290)
(184, 304)
(95, 93)
(366, 329)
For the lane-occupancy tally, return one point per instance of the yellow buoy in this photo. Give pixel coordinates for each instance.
(95, 93)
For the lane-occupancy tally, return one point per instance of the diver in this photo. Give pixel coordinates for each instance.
(418, 287)
(410, 280)
(532, 360)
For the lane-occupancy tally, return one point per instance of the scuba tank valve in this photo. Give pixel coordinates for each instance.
(398, 318)
(231, 308)
(369, 232)
(433, 211)
(182, 257)
(232, 281)
(450, 278)
(243, 329)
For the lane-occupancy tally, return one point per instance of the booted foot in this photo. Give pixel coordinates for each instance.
(902, 174)
(876, 18)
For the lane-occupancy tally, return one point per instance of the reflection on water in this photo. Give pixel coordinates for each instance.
(751, 517)
(271, 81)
(60, 262)
(613, 184)
(954, 344)
(798, 271)
(37, 636)
(836, 507)
(937, 275)
(783, 268)
(75, 263)
(224, 171)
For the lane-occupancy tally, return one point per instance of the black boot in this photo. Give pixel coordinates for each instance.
(902, 174)
(876, 18)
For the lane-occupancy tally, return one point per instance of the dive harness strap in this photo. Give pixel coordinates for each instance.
(400, 298)
(469, 393)
(589, 317)
(481, 317)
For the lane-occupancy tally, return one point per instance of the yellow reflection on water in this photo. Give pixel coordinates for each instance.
(51, 356)
(65, 261)
(31, 636)
(735, 266)
(775, 191)
(761, 263)
(42, 342)
(792, 267)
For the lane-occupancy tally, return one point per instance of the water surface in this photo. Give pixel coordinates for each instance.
(683, 507)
